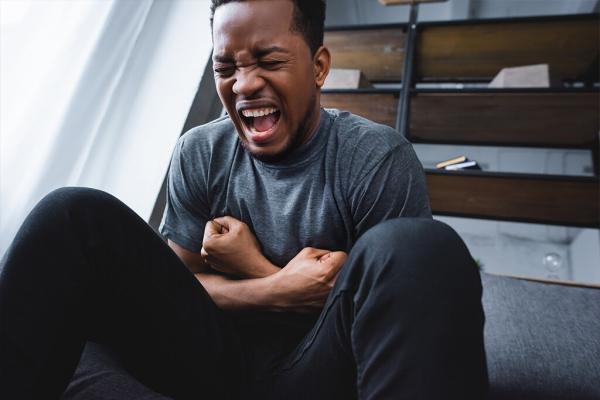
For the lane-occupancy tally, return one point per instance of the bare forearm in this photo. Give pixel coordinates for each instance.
(302, 286)
(258, 269)
(243, 294)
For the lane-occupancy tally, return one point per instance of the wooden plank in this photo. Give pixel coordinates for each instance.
(378, 53)
(550, 281)
(560, 200)
(378, 107)
(479, 51)
(543, 119)
(550, 119)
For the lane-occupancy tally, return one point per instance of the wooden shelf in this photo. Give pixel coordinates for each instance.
(539, 119)
(472, 50)
(377, 52)
(378, 106)
(547, 199)
(534, 118)
(475, 51)
(478, 50)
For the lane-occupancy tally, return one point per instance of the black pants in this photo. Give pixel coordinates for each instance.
(404, 320)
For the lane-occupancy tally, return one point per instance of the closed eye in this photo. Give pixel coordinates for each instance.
(224, 71)
(271, 64)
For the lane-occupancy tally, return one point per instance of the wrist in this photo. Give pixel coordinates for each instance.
(262, 268)
(274, 296)
(243, 294)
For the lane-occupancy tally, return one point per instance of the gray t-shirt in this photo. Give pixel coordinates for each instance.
(351, 175)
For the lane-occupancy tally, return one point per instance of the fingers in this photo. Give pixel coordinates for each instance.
(335, 257)
(312, 252)
(335, 260)
(211, 229)
(227, 222)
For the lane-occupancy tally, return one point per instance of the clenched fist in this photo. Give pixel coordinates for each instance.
(230, 247)
(305, 282)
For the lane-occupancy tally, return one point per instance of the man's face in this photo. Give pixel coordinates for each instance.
(265, 76)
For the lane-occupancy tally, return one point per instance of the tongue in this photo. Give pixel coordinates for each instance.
(264, 123)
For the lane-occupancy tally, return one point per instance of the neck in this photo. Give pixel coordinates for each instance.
(314, 117)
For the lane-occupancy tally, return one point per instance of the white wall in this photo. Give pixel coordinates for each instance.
(584, 254)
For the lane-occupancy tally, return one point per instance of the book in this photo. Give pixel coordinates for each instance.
(463, 165)
(451, 161)
(525, 76)
(340, 78)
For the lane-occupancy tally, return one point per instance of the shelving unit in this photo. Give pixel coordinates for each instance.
(562, 118)
(463, 53)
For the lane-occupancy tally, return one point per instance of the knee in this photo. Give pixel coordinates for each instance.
(73, 198)
(71, 195)
(69, 204)
(404, 236)
(416, 248)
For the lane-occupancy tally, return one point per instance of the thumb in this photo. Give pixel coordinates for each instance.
(212, 229)
(312, 252)
(336, 258)
(226, 222)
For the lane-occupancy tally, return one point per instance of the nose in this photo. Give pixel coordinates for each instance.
(247, 82)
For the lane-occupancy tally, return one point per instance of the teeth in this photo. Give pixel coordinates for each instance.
(258, 112)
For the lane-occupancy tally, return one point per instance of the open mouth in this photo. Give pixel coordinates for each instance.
(261, 122)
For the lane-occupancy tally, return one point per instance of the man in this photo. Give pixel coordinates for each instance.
(307, 284)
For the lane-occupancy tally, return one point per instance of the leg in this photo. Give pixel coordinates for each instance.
(404, 321)
(84, 266)
(100, 375)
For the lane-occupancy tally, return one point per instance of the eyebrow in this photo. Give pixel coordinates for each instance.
(268, 50)
(221, 59)
(261, 52)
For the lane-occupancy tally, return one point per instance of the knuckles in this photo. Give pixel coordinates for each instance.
(205, 256)
(308, 251)
(328, 271)
(343, 256)
(208, 245)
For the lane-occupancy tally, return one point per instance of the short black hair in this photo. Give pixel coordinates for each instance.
(308, 20)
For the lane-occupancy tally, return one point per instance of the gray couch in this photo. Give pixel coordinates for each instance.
(542, 342)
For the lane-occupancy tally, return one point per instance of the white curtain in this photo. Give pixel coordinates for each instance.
(94, 93)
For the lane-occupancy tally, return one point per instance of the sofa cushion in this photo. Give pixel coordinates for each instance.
(542, 340)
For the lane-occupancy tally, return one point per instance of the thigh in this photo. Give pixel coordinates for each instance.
(322, 365)
(84, 266)
(101, 375)
(404, 320)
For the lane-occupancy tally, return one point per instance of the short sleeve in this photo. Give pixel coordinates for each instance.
(187, 208)
(394, 187)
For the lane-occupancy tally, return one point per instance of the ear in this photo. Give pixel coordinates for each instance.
(321, 62)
